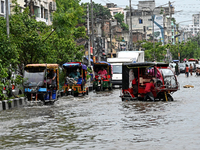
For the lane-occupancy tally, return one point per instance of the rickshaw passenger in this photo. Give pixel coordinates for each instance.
(103, 72)
(74, 74)
(148, 90)
(131, 78)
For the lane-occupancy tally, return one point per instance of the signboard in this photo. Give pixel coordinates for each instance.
(91, 50)
(158, 28)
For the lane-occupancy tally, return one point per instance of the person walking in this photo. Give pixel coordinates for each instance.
(148, 90)
(176, 69)
(186, 70)
(191, 68)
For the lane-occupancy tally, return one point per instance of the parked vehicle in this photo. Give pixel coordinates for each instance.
(164, 79)
(102, 82)
(41, 83)
(182, 67)
(117, 69)
(137, 55)
(123, 57)
(76, 76)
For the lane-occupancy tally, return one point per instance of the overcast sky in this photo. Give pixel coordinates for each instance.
(187, 7)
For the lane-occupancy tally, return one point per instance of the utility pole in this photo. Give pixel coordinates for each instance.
(164, 17)
(130, 32)
(92, 27)
(170, 16)
(7, 19)
(110, 39)
(88, 29)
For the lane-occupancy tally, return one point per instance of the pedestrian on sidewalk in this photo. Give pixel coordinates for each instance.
(191, 68)
(186, 70)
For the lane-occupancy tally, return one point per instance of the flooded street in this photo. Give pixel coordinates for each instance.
(103, 121)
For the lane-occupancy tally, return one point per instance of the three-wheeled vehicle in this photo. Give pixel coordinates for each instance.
(102, 81)
(165, 81)
(76, 76)
(41, 83)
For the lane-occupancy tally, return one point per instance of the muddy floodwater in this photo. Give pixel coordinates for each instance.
(101, 121)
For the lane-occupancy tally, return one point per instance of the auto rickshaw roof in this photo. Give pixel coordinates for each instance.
(75, 64)
(146, 64)
(101, 63)
(49, 66)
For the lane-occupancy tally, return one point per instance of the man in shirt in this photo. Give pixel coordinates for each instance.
(148, 90)
(102, 72)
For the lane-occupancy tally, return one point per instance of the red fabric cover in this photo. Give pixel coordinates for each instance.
(149, 87)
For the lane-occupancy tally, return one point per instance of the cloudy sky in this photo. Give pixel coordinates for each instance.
(184, 8)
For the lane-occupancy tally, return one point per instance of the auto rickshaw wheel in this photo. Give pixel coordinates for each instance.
(158, 83)
(98, 88)
(110, 88)
(169, 97)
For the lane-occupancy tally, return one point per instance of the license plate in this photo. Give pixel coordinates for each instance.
(116, 86)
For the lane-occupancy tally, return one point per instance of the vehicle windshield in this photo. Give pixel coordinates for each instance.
(169, 78)
(34, 78)
(117, 69)
(167, 72)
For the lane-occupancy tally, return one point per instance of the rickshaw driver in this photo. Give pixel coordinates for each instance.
(148, 90)
(103, 72)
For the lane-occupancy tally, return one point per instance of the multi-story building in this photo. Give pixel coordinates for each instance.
(142, 19)
(42, 9)
(194, 29)
(196, 19)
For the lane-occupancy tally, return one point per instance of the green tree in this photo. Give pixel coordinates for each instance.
(28, 35)
(99, 11)
(120, 19)
(157, 53)
(66, 21)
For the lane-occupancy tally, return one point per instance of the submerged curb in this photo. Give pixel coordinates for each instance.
(12, 103)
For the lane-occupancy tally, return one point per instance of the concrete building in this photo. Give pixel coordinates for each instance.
(194, 29)
(196, 19)
(42, 9)
(142, 19)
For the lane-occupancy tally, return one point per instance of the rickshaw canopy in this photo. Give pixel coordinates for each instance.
(102, 63)
(75, 64)
(49, 66)
(146, 64)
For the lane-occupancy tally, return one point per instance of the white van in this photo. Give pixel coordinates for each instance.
(116, 64)
(123, 57)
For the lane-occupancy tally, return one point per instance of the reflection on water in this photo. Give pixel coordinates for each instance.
(102, 121)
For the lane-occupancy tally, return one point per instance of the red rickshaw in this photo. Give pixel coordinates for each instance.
(164, 79)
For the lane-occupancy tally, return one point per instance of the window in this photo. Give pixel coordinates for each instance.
(114, 13)
(140, 21)
(2, 6)
(42, 15)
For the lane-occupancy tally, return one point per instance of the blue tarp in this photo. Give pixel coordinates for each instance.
(71, 64)
(90, 58)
